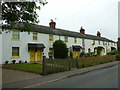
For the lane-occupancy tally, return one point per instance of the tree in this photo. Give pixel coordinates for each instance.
(60, 49)
(20, 12)
(118, 49)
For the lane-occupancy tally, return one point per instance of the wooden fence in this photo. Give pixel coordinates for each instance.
(59, 65)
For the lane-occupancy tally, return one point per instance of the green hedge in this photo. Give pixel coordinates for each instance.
(60, 65)
(118, 57)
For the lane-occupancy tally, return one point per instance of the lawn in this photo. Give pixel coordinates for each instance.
(35, 68)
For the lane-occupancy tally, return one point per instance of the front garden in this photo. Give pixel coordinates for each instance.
(28, 67)
(50, 66)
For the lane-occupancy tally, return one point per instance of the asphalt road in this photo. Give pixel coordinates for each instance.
(103, 78)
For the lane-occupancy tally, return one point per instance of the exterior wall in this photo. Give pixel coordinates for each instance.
(22, 43)
(88, 44)
(6, 44)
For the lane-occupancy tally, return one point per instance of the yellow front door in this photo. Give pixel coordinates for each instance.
(39, 55)
(76, 54)
(32, 55)
(35, 55)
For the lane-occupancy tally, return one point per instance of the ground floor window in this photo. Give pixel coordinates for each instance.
(15, 51)
(51, 52)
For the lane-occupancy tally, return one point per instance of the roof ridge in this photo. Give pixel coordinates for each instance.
(64, 32)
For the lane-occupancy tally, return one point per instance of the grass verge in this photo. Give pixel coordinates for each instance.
(35, 68)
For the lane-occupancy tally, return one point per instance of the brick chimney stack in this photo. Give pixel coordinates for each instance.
(98, 34)
(82, 31)
(52, 24)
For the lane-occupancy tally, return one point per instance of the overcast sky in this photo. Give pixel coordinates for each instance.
(92, 15)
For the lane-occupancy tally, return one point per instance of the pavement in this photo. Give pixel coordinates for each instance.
(20, 79)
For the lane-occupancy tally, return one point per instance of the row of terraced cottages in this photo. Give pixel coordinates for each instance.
(31, 47)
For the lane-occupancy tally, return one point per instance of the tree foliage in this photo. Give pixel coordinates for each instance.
(118, 49)
(19, 12)
(60, 49)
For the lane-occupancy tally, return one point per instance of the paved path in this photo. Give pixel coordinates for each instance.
(14, 75)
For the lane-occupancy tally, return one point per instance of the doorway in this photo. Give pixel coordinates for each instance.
(35, 55)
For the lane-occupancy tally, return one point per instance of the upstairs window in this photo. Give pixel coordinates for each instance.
(50, 37)
(15, 51)
(35, 35)
(66, 39)
(15, 35)
(75, 40)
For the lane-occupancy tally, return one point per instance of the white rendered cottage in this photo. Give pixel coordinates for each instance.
(30, 47)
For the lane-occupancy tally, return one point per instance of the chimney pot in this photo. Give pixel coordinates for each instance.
(52, 24)
(82, 31)
(98, 34)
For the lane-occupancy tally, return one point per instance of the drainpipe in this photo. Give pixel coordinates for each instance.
(106, 48)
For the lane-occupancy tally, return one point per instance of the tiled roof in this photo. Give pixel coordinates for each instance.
(61, 32)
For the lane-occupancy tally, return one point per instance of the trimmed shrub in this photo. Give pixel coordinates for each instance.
(60, 49)
(6, 62)
(20, 61)
(13, 61)
(25, 61)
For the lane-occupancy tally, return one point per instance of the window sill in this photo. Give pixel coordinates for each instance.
(15, 39)
(35, 40)
(15, 56)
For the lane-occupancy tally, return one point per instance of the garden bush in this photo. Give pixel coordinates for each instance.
(60, 49)
(13, 61)
(25, 61)
(113, 52)
(118, 49)
(6, 62)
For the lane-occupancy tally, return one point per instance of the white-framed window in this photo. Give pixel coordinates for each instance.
(15, 51)
(15, 35)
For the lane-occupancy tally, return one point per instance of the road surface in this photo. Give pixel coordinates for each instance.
(103, 78)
